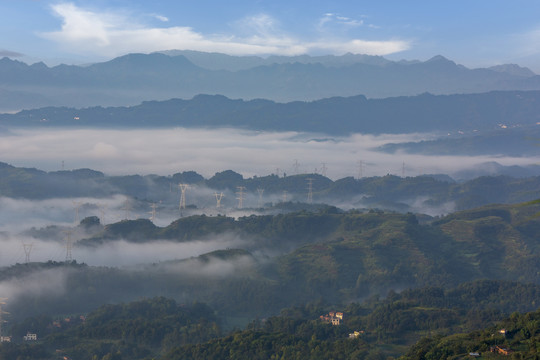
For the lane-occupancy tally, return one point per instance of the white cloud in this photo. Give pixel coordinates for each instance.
(104, 151)
(161, 17)
(111, 34)
(363, 46)
(336, 19)
(83, 26)
(262, 24)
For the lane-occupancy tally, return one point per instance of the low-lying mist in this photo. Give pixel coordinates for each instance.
(114, 253)
(167, 151)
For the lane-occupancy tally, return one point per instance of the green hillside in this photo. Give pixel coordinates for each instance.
(396, 279)
(517, 337)
(165, 329)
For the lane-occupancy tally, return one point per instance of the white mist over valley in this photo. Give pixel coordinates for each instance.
(207, 151)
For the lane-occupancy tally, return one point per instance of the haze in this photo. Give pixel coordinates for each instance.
(168, 151)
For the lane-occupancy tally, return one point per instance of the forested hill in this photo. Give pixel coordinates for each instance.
(338, 261)
(337, 115)
(161, 328)
(517, 336)
(343, 256)
(426, 194)
(298, 257)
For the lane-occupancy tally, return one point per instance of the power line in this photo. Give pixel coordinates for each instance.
(127, 208)
(77, 205)
(310, 190)
(218, 199)
(296, 166)
(324, 169)
(360, 169)
(183, 188)
(69, 246)
(102, 209)
(152, 213)
(260, 191)
(27, 250)
(240, 196)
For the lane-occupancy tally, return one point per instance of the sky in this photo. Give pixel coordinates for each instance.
(477, 33)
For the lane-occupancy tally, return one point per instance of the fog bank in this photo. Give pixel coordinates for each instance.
(167, 151)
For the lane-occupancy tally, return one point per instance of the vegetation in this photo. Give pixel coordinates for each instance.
(428, 194)
(160, 327)
(320, 262)
(291, 259)
(136, 330)
(517, 337)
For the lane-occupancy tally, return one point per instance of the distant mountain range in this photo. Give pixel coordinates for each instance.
(459, 114)
(133, 78)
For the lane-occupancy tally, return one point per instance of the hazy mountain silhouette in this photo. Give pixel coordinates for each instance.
(133, 78)
(338, 115)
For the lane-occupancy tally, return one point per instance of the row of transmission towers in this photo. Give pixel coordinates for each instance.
(68, 241)
(240, 196)
(324, 170)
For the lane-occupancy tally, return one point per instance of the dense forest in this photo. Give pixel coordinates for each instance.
(440, 319)
(403, 287)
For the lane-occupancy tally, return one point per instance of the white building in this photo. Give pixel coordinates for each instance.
(30, 337)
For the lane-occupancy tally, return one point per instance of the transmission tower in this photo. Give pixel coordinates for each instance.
(323, 169)
(284, 196)
(153, 212)
(240, 196)
(310, 190)
(27, 250)
(77, 205)
(403, 170)
(69, 246)
(260, 191)
(2, 312)
(278, 170)
(102, 209)
(360, 169)
(218, 199)
(296, 166)
(183, 188)
(127, 209)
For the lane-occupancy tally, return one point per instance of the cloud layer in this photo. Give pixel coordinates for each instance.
(168, 151)
(108, 33)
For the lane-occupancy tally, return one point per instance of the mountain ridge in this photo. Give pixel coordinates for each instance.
(120, 81)
(337, 115)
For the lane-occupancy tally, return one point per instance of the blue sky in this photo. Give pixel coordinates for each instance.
(473, 33)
